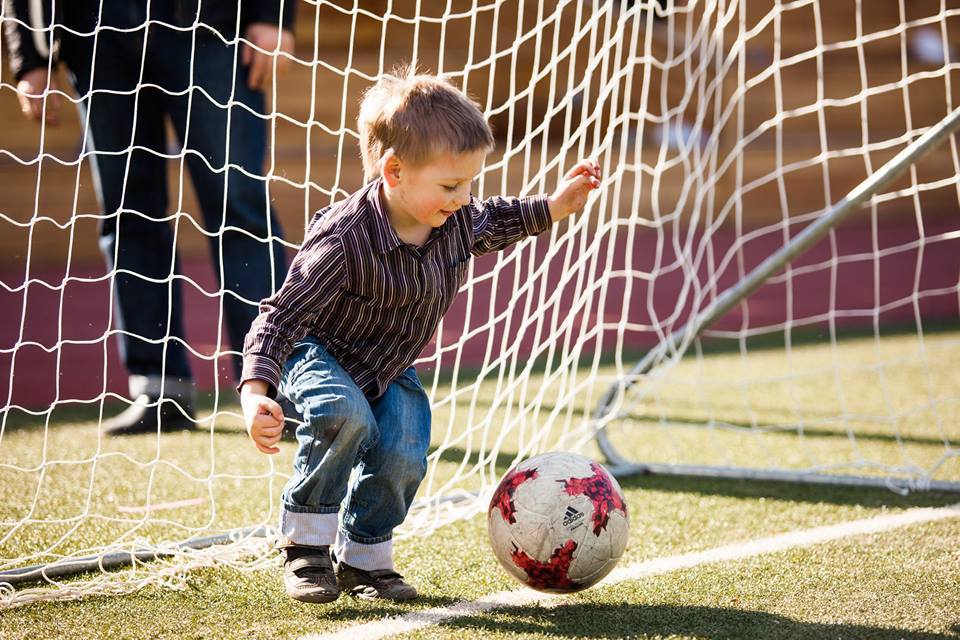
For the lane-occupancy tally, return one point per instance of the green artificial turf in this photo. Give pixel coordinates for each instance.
(887, 586)
(670, 516)
(65, 490)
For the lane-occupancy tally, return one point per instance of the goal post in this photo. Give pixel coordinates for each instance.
(766, 284)
(678, 342)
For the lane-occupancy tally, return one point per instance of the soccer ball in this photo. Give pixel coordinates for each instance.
(558, 522)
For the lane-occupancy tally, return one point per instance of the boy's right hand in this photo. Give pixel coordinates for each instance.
(262, 416)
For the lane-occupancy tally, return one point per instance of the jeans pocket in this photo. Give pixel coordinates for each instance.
(410, 379)
(303, 353)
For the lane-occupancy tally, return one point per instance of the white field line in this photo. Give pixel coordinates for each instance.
(737, 551)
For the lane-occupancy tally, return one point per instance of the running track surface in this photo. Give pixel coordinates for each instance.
(36, 318)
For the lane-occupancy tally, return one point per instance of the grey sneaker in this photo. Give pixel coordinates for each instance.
(372, 585)
(143, 416)
(308, 574)
(159, 402)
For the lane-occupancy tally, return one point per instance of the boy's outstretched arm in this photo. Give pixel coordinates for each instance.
(571, 194)
(500, 221)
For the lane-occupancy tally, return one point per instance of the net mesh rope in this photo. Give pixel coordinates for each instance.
(722, 128)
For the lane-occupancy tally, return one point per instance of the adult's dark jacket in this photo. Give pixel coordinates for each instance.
(31, 42)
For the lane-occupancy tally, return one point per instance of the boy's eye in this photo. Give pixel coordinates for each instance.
(449, 188)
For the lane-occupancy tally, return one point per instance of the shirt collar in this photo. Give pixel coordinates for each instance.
(384, 237)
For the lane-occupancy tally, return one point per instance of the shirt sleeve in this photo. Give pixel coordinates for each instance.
(315, 275)
(27, 29)
(499, 222)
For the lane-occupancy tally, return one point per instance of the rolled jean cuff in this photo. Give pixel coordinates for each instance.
(309, 527)
(364, 556)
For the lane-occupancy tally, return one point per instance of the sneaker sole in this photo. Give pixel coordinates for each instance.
(362, 593)
(314, 598)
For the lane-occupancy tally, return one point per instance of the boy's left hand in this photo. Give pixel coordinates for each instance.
(573, 190)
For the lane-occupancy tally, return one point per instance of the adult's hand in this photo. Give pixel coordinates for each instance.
(272, 39)
(30, 93)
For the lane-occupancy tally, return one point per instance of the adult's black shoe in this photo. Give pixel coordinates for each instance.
(158, 404)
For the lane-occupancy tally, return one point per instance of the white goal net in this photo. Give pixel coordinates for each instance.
(724, 128)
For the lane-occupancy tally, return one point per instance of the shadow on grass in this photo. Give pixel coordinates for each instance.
(789, 491)
(354, 610)
(750, 489)
(736, 488)
(61, 415)
(786, 430)
(661, 621)
(455, 455)
(260, 593)
(69, 412)
(799, 336)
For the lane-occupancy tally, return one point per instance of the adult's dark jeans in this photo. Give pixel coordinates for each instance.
(130, 79)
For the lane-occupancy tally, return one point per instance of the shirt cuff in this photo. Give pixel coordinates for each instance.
(535, 215)
(269, 12)
(260, 367)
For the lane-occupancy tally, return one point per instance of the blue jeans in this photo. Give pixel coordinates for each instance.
(367, 458)
(131, 83)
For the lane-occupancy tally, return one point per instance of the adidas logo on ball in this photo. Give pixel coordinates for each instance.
(571, 516)
(558, 522)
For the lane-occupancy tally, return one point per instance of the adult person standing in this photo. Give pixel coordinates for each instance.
(134, 63)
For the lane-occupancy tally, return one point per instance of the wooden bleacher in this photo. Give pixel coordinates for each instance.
(322, 94)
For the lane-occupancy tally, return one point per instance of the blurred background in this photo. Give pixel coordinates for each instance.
(713, 161)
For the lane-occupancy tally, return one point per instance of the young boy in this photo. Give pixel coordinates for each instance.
(363, 296)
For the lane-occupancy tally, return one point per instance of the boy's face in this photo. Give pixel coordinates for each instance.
(433, 192)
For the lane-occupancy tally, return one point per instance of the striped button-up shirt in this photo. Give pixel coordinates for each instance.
(372, 300)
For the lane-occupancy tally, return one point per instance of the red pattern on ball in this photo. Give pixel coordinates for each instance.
(601, 493)
(551, 574)
(503, 496)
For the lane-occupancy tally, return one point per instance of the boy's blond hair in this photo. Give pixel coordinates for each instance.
(418, 116)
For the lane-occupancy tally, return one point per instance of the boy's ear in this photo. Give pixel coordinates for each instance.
(390, 168)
